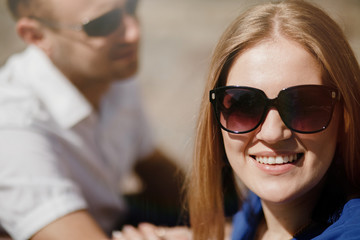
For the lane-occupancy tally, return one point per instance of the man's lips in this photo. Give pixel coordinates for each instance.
(123, 54)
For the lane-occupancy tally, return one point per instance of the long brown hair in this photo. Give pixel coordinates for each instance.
(307, 25)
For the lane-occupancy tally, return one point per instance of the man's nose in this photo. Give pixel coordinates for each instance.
(130, 29)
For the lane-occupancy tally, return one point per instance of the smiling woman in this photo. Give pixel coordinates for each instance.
(276, 139)
(283, 111)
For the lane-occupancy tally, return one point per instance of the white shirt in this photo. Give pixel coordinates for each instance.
(56, 154)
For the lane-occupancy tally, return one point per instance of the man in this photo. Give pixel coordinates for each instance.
(69, 130)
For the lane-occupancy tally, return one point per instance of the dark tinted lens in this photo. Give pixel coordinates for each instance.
(306, 108)
(240, 110)
(131, 6)
(105, 24)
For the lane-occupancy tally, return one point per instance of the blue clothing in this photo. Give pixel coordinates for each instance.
(347, 227)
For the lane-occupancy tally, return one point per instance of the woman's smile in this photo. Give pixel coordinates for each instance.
(277, 159)
(277, 164)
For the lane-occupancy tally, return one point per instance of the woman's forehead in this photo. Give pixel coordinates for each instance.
(274, 65)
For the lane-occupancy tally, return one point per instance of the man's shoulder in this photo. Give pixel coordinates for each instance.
(31, 87)
(19, 105)
(13, 73)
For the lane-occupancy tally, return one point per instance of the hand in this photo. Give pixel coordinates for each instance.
(147, 231)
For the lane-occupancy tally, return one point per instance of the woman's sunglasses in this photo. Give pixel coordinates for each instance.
(303, 109)
(100, 26)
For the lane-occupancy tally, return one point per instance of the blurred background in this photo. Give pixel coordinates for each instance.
(178, 37)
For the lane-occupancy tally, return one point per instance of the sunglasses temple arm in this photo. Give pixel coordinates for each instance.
(55, 25)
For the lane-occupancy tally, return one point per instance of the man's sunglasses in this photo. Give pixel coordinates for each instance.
(303, 109)
(100, 26)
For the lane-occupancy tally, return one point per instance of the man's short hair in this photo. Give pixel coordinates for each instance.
(15, 5)
(24, 8)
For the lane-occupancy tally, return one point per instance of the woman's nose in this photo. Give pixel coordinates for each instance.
(273, 129)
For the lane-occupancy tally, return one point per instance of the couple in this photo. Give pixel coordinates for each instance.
(280, 110)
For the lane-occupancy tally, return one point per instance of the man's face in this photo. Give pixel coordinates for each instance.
(88, 59)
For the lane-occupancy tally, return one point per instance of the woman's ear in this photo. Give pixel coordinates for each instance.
(32, 32)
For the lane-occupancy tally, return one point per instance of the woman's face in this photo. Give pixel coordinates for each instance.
(272, 66)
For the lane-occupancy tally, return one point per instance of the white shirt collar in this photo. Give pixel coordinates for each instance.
(63, 100)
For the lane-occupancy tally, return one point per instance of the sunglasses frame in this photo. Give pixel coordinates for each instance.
(129, 8)
(271, 103)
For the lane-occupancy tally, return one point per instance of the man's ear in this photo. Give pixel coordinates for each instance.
(32, 32)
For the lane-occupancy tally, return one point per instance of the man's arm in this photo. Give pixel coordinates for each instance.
(74, 226)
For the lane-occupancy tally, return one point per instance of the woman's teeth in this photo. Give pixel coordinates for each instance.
(277, 159)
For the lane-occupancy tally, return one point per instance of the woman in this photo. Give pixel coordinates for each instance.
(288, 128)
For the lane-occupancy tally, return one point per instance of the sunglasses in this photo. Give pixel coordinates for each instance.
(101, 26)
(303, 109)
